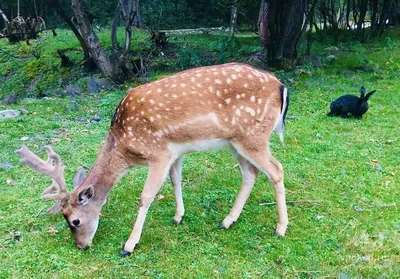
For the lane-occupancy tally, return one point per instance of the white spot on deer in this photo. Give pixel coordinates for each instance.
(228, 100)
(159, 90)
(238, 112)
(211, 89)
(251, 111)
(198, 75)
(224, 73)
(199, 85)
(228, 80)
(129, 128)
(220, 105)
(142, 112)
(183, 85)
(174, 96)
(261, 80)
(207, 79)
(243, 95)
(253, 98)
(234, 76)
(246, 85)
(124, 135)
(250, 76)
(217, 81)
(238, 96)
(259, 101)
(142, 99)
(241, 107)
(226, 90)
(173, 85)
(245, 120)
(148, 91)
(218, 93)
(151, 119)
(158, 116)
(233, 121)
(161, 104)
(192, 79)
(258, 111)
(151, 101)
(226, 119)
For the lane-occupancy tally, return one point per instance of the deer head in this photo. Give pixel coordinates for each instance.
(82, 216)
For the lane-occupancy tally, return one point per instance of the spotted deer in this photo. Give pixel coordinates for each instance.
(231, 106)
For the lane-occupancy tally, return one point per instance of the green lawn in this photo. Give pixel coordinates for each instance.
(346, 172)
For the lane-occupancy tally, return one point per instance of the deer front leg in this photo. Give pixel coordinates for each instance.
(249, 175)
(155, 178)
(176, 179)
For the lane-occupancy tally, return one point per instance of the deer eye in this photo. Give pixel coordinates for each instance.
(76, 222)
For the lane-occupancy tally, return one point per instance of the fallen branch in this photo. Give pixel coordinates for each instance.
(292, 202)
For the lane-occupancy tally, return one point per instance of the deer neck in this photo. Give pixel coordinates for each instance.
(108, 168)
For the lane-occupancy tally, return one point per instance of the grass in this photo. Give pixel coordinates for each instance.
(347, 169)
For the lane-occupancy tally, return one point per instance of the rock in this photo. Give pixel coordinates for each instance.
(316, 61)
(24, 138)
(10, 99)
(9, 113)
(332, 48)
(331, 58)
(92, 86)
(73, 90)
(319, 217)
(103, 83)
(6, 166)
(24, 111)
(358, 208)
(379, 168)
(96, 118)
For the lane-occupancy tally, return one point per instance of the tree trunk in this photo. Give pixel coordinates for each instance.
(96, 52)
(233, 21)
(360, 33)
(280, 28)
(137, 22)
(71, 25)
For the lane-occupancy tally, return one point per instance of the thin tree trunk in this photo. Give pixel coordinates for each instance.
(114, 26)
(71, 25)
(233, 21)
(3, 15)
(96, 52)
(360, 30)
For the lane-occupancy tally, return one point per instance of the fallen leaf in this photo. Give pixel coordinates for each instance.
(52, 231)
(10, 181)
(160, 197)
(24, 138)
(374, 161)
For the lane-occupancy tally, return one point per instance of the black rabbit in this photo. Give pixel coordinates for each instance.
(350, 104)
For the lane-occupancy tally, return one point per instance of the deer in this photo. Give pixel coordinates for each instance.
(233, 106)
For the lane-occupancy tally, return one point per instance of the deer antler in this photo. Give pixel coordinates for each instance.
(53, 168)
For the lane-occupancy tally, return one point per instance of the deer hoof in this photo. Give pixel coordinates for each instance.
(125, 253)
(177, 222)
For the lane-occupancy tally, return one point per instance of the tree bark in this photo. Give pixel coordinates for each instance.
(96, 52)
(71, 25)
(233, 21)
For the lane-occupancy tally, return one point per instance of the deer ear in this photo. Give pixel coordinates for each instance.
(79, 177)
(85, 195)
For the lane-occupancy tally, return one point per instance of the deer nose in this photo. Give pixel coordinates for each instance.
(82, 246)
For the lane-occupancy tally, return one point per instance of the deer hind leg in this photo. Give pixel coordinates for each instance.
(261, 158)
(175, 174)
(156, 176)
(249, 175)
